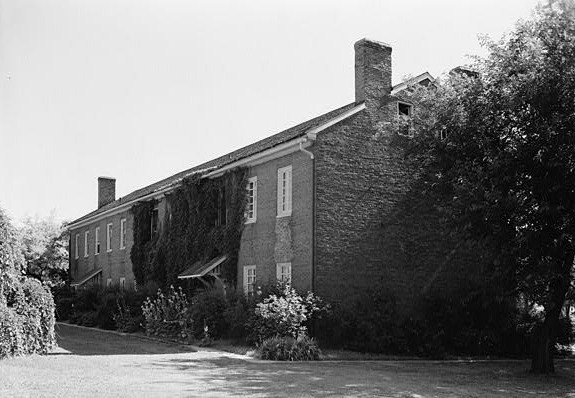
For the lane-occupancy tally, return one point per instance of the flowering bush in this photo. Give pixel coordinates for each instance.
(285, 314)
(166, 316)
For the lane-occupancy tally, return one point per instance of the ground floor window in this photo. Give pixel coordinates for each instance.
(122, 284)
(283, 272)
(249, 279)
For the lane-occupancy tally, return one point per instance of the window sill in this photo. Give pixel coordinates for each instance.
(252, 221)
(109, 251)
(123, 248)
(284, 215)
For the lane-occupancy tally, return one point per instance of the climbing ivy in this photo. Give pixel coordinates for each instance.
(204, 218)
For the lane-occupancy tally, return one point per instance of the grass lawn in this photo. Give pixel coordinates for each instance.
(93, 363)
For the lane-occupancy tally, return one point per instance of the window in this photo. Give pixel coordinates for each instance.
(154, 223)
(86, 241)
(283, 272)
(109, 237)
(443, 134)
(123, 233)
(109, 283)
(404, 114)
(76, 253)
(249, 279)
(122, 284)
(222, 211)
(97, 245)
(284, 191)
(252, 206)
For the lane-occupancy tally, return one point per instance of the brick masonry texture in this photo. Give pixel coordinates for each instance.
(287, 239)
(374, 228)
(115, 264)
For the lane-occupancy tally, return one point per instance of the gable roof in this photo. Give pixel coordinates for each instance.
(425, 78)
(259, 146)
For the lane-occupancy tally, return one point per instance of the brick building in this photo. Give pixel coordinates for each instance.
(331, 203)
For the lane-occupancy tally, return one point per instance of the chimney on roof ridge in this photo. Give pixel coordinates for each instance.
(372, 70)
(106, 190)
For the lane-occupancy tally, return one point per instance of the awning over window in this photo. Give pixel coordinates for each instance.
(200, 268)
(86, 278)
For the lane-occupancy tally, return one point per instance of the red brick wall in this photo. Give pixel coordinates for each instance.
(259, 243)
(115, 264)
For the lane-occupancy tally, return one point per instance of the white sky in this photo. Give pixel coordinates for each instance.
(141, 89)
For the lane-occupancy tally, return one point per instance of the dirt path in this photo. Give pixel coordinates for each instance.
(92, 363)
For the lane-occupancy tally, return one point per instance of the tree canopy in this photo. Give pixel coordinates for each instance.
(498, 142)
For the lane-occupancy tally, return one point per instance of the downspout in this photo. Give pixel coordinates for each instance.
(302, 149)
(312, 157)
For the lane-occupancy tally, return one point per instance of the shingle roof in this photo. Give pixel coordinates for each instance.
(256, 147)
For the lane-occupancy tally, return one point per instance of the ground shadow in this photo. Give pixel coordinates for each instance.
(81, 341)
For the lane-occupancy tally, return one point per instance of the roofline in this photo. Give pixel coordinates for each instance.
(257, 158)
(402, 86)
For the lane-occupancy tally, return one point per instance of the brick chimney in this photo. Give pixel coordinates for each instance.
(372, 70)
(106, 190)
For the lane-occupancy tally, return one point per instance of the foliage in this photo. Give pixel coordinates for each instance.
(196, 228)
(45, 249)
(107, 308)
(207, 310)
(508, 162)
(26, 316)
(472, 320)
(166, 314)
(287, 348)
(285, 314)
(26, 306)
(11, 258)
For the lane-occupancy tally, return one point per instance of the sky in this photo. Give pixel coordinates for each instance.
(142, 89)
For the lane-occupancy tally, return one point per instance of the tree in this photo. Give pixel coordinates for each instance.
(44, 246)
(499, 144)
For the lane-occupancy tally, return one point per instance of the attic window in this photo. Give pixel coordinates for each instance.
(403, 109)
(405, 124)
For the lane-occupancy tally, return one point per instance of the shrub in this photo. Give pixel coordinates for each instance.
(287, 348)
(284, 315)
(166, 314)
(26, 316)
(207, 310)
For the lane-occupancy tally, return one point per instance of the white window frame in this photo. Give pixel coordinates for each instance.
(284, 191)
(76, 252)
(247, 283)
(254, 213)
(97, 241)
(86, 241)
(283, 272)
(404, 117)
(122, 284)
(109, 231)
(123, 234)
(109, 283)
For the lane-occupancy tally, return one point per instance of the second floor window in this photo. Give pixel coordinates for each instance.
(404, 114)
(123, 233)
(109, 237)
(284, 191)
(86, 241)
(76, 252)
(252, 205)
(154, 223)
(97, 245)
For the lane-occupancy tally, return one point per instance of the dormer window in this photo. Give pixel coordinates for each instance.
(404, 116)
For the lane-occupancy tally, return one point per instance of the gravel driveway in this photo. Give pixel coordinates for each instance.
(92, 363)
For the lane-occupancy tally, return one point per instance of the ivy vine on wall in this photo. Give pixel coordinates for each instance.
(204, 218)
